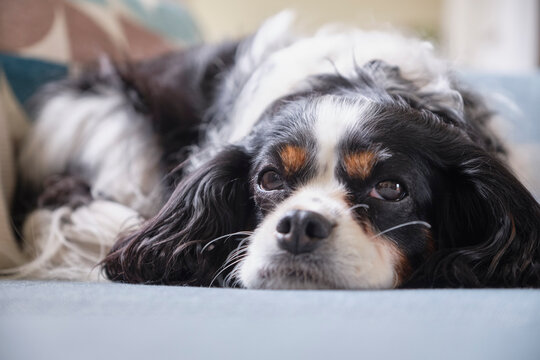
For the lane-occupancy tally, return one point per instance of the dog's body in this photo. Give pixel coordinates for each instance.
(347, 159)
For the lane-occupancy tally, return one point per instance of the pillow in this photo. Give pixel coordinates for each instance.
(46, 40)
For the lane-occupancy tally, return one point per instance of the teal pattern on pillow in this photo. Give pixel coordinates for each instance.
(168, 18)
(26, 75)
(63, 35)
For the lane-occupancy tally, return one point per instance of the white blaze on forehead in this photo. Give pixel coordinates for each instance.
(335, 117)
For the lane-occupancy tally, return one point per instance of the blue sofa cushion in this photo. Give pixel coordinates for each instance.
(55, 320)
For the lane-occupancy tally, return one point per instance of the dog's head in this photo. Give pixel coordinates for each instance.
(358, 182)
(342, 198)
(365, 189)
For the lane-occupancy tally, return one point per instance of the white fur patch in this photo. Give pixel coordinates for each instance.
(98, 134)
(113, 148)
(334, 118)
(68, 244)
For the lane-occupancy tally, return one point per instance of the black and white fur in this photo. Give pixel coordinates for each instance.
(166, 158)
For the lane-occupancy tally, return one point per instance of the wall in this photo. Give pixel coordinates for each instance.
(221, 19)
(491, 35)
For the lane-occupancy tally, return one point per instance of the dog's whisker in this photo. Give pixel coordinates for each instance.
(365, 206)
(223, 268)
(242, 242)
(233, 258)
(235, 254)
(340, 212)
(352, 208)
(233, 275)
(418, 222)
(226, 237)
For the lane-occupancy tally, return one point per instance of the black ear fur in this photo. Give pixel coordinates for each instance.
(488, 229)
(212, 201)
(174, 92)
(487, 224)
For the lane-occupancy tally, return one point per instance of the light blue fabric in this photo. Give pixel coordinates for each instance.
(54, 320)
(516, 98)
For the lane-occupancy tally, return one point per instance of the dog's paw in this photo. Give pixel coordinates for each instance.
(65, 190)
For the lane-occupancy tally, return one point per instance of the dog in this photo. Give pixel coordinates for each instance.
(347, 159)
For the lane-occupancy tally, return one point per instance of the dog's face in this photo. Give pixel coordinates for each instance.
(332, 176)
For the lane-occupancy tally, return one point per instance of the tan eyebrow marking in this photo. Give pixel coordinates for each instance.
(360, 164)
(293, 158)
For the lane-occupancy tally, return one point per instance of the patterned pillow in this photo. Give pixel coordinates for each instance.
(46, 39)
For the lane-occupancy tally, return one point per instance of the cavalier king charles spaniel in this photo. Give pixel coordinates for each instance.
(343, 160)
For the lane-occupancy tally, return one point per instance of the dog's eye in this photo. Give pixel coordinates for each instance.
(270, 181)
(388, 190)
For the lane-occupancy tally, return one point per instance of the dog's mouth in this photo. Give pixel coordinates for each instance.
(295, 272)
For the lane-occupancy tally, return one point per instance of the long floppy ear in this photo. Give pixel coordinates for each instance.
(212, 201)
(487, 227)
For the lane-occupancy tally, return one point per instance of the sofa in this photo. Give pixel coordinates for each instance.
(75, 320)
(56, 320)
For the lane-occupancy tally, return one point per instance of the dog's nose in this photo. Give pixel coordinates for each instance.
(301, 231)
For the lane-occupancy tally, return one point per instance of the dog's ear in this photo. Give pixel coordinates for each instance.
(212, 201)
(487, 227)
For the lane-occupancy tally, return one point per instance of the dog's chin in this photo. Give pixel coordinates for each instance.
(293, 273)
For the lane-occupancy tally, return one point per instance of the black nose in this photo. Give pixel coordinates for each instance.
(300, 231)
